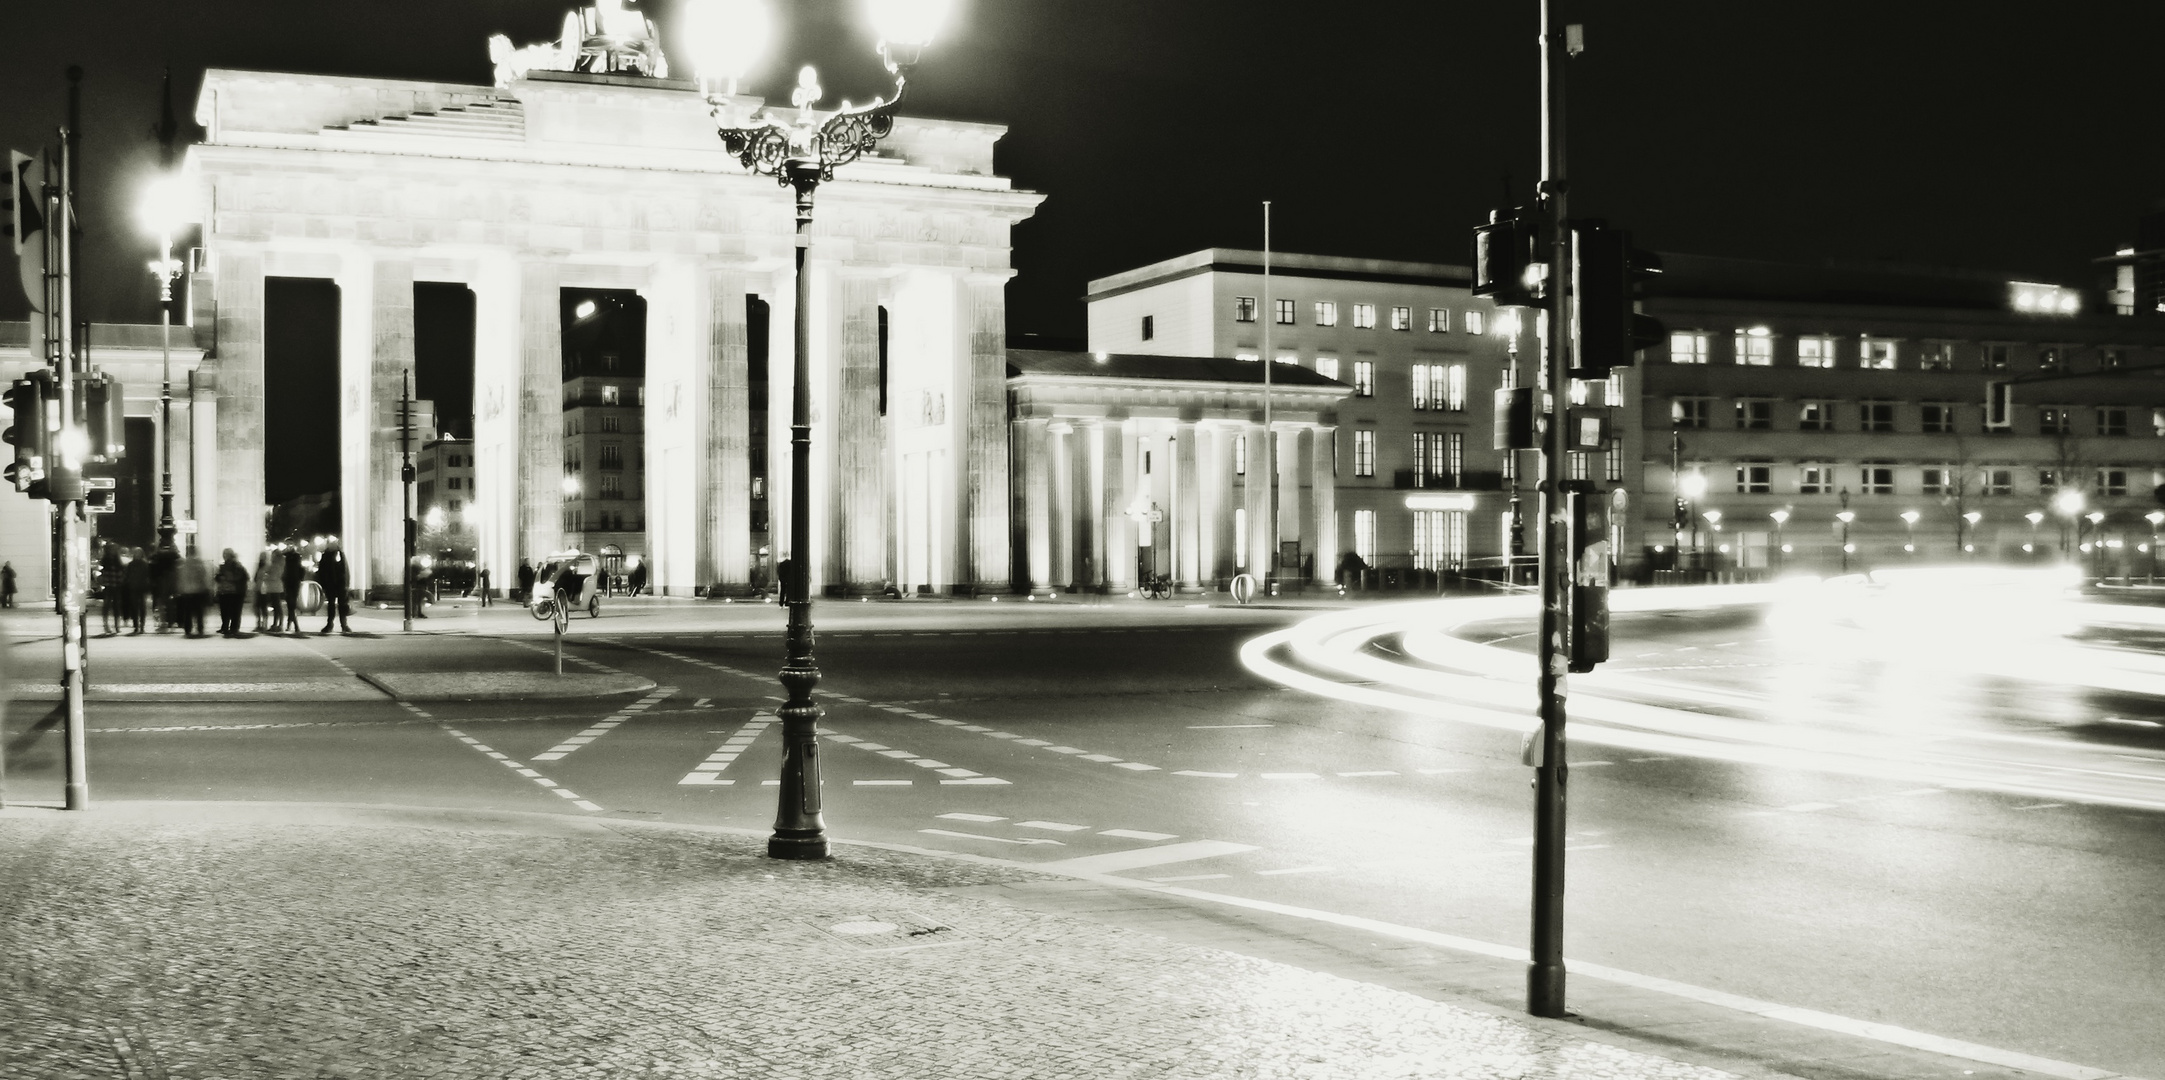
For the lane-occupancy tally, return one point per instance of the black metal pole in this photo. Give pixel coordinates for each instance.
(1545, 972)
(799, 830)
(405, 477)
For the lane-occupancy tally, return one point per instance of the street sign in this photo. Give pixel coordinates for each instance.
(99, 483)
(184, 526)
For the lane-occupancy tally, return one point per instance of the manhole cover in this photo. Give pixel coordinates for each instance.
(885, 931)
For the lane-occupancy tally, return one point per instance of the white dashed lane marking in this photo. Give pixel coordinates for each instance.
(506, 760)
(709, 772)
(953, 774)
(557, 752)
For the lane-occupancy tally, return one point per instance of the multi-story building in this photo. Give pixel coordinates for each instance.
(1418, 484)
(444, 481)
(1788, 396)
(604, 456)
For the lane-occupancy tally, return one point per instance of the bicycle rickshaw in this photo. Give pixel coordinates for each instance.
(566, 583)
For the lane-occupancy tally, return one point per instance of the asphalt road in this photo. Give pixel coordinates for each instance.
(1134, 736)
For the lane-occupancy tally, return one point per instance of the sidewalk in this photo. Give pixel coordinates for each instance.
(226, 940)
(231, 941)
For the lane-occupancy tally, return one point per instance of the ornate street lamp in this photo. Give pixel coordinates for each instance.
(164, 207)
(801, 152)
(1909, 522)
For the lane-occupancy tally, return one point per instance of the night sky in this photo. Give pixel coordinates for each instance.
(1839, 129)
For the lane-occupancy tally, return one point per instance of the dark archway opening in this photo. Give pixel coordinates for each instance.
(300, 407)
(604, 348)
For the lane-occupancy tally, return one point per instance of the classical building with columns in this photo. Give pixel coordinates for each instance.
(1419, 489)
(1132, 466)
(563, 179)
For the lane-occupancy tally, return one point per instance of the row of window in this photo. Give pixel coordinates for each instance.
(1879, 478)
(1439, 538)
(610, 422)
(603, 521)
(1934, 417)
(1364, 316)
(1756, 347)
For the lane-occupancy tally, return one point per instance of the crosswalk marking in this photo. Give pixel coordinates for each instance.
(1212, 775)
(709, 772)
(562, 749)
(1050, 826)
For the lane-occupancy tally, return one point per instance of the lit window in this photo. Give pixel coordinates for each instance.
(1616, 459)
(1689, 412)
(1364, 316)
(1401, 318)
(2048, 359)
(1240, 538)
(1877, 478)
(1285, 312)
(1995, 358)
(1364, 378)
(1289, 358)
(609, 394)
(1815, 416)
(1326, 313)
(1327, 366)
(1420, 459)
(1439, 320)
(1439, 539)
(1939, 480)
(1815, 479)
(1876, 355)
(1936, 356)
(1244, 309)
(612, 486)
(1364, 535)
(1939, 418)
(1248, 356)
(1420, 386)
(1364, 453)
(1755, 415)
(1454, 455)
(1476, 322)
(1687, 348)
(2112, 421)
(1998, 481)
(1454, 388)
(1755, 347)
(2055, 420)
(1150, 327)
(1815, 352)
(1755, 478)
(1240, 455)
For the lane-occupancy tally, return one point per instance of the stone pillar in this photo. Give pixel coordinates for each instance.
(1217, 474)
(1091, 506)
(1289, 493)
(982, 534)
(1187, 507)
(497, 355)
(858, 516)
(1119, 472)
(725, 490)
(230, 512)
(1061, 462)
(1323, 497)
(1255, 490)
(1034, 436)
(541, 412)
(390, 333)
(203, 455)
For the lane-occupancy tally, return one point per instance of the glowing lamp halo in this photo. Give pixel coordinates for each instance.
(907, 25)
(727, 37)
(165, 206)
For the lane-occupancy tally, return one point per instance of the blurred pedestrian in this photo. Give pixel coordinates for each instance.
(111, 571)
(481, 579)
(271, 588)
(7, 584)
(291, 573)
(638, 578)
(526, 582)
(231, 581)
(331, 574)
(191, 593)
(165, 585)
(135, 588)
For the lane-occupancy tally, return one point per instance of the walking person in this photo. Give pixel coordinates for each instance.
(191, 593)
(638, 578)
(231, 582)
(526, 582)
(331, 574)
(165, 585)
(271, 588)
(291, 573)
(111, 572)
(482, 583)
(7, 584)
(135, 589)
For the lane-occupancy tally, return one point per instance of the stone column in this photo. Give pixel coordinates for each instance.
(725, 491)
(203, 454)
(1255, 491)
(1034, 436)
(497, 357)
(1090, 502)
(1187, 507)
(541, 412)
(1217, 473)
(1323, 497)
(1289, 493)
(390, 322)
(982, 535)
(1119, 485)
(858, 524)
(1061, 462)
(230, 511)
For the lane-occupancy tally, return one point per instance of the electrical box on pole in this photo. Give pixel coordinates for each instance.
(1607, 276)
(1506, 268)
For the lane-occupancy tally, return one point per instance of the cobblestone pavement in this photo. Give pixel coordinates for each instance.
(170, 941)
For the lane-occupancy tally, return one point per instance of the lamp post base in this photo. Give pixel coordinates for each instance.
(796, 844)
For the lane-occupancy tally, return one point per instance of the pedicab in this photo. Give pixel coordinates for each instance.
(566, 583)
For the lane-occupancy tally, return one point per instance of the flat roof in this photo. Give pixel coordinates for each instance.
(1170, 368)
(1282, 264)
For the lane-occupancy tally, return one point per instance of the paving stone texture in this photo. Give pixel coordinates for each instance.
(370, 946)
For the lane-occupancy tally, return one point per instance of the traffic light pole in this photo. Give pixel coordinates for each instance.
(66, 485)
(1545, 973)
(405, 471)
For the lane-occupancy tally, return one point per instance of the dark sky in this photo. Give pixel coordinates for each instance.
(2018, 139)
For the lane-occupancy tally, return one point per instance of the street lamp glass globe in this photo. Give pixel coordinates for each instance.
(909, 24)
(1692, 485)
(1910, 517)
(165, 206)
(1846, 516)
(726, 37)
(2096, 516)
(1779, 516)
(2068, 501)
(2034, 517)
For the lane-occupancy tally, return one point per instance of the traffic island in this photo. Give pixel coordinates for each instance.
(420, 686)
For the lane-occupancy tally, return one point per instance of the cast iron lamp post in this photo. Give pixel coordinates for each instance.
(1691, 486)
(162, 210)
(800, 153)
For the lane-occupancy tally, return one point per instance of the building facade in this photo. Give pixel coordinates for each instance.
(1788, 396)
(1418, 484)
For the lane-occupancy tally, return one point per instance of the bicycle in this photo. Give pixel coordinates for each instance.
(1157, 587)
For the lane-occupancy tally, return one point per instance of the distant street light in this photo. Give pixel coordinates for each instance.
(1973, 517)
(1781, 517)
(1909, 522)
(2069, 503)
(2035, 518)
(2155, 518)
(1690, 487)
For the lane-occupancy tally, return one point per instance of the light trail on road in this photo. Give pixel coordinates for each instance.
(1937, 625)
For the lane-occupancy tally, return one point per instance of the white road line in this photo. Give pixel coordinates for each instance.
(1295, 870)
(1192, 877)
(560, 750)
(1136, 834)
(1114, 861)
(994, 839)
(1054, 826)
(1290, 776)
(1212, 775)
(971, 817)
(708, 773)
(2041, 806)
(561, 792)
(1223, 727)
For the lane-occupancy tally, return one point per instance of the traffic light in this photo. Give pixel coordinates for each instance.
(28, 431)
(1999, 406)
(1592, 568)
(1607, 274)
(104, 417)
(1503, 257)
